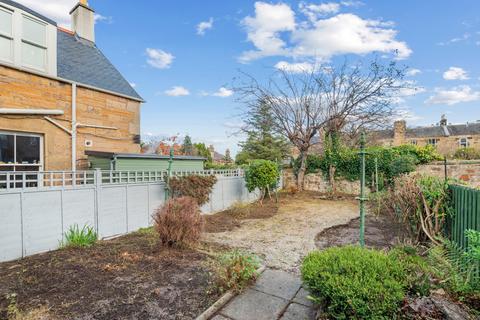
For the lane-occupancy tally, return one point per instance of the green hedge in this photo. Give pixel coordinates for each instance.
(356, 283)
(392, 161)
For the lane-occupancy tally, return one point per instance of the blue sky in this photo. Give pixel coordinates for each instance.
(183, 55)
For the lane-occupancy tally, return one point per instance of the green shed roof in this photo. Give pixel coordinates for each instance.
(112, 155)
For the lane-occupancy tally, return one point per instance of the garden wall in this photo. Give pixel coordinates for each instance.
(317, 182)
(35, 220)
(466, 170)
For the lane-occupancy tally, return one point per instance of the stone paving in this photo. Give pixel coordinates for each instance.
(276, 295)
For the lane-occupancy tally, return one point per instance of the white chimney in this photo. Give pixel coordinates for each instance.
(83, 22)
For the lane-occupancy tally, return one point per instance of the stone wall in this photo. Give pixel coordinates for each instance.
(317, 182)
(22, 90)
(468, 171)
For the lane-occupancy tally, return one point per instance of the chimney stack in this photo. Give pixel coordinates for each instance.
(83, 22)
(443, 120)
(399, 132)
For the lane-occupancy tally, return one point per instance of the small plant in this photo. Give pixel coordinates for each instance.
(262, 175)
(236, 269)
(467, 153)
(357, 283)
(179, 222)
(80, 238)
(197, 187)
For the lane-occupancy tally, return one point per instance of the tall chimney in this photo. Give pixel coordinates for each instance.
(83, 22)
(399, 132)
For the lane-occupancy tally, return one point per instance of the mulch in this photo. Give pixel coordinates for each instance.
(230, 219)
(130, 277)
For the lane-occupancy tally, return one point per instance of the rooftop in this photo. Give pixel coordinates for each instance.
(111, 155)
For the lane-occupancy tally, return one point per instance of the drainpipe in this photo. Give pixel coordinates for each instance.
(74, 126)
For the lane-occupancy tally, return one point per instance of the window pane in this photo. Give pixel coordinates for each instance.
(6, 49)
(33, 56)
(5, 22)
(34, 31)
(28, 150)
(6, 148)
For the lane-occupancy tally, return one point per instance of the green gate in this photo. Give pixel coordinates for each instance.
(466, 205)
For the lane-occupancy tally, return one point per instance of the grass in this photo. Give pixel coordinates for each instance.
(80, 238)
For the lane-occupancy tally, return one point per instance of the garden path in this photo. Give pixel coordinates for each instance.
(283, 240)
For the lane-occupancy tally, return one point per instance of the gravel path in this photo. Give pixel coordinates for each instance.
(284, 239)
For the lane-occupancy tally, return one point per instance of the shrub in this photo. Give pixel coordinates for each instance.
(197, 187)
(236, 269)
(262, 175)
(355, 283)
(77, 238)
(179, 222)
(403, 164)
(467, 153)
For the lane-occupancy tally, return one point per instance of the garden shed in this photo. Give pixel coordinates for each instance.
(142, 162)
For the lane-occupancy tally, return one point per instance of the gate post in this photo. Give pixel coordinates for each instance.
(362, 198)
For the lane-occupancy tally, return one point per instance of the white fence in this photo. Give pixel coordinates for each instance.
(37, 208)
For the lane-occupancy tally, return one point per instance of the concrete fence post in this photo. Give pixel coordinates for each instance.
(98, 191)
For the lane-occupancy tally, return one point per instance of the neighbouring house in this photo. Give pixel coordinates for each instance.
(217, 157)
(445, 137)
(143, 162)
(59, 95)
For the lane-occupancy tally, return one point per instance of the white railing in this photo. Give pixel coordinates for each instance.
(14, 180)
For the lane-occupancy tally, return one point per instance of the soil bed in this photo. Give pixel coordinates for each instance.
(380, 232)
(130, 277)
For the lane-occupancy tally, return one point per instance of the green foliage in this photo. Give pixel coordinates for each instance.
(202, 150)
(457, 268)
(78, 238)
(392, 161)
(262, 174)
(357, 283)
(236, 269)
(228, 158)
(467, 153)
(220, 166)
(187, 146)
(262, 140)
(197, 187)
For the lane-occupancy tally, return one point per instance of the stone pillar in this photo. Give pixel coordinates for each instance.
(399, 132)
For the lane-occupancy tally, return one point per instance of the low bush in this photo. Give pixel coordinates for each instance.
(356, 283)
(179, 222)
(77, 238)
(467, 153)
(236, 269)
(194, 186)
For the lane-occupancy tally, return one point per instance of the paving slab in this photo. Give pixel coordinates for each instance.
(301, 298)
(219, 317)
(278, 283)
(254, 305)
(297, 311)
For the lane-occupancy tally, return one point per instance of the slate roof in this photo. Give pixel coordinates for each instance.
(465, 129)
(81, 61)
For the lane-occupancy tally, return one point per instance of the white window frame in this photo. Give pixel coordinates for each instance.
(15, 164)
(38, 45)
(434, 140)
(467, 143)
(10, 36)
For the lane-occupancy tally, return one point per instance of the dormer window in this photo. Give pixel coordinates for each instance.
(6, 35)
(34, 43)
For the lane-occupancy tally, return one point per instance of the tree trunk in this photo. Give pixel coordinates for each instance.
(331, 176)
(301, 170)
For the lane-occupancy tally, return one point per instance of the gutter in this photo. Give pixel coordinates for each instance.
(82, 85)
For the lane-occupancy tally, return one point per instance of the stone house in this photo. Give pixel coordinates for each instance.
(59, 95)
(445, 137)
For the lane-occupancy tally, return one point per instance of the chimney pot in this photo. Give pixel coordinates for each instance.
(83, 22)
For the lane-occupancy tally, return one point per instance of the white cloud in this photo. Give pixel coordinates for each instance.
(413, 72)
(314, 11)
(406, 113)
(274, 31)
(453, 96)
(464, 37)
(204, 26)
(298, 67)
(159, 59)
(58, 10)
(263, 29)
(177, 91)
(223, 93)
(455, 73)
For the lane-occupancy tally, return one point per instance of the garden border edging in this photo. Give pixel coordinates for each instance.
(222, 301)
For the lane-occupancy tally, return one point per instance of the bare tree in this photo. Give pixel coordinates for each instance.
(324, 100)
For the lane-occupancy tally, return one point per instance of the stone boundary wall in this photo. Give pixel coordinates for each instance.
(465, 170)
(317, 182)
